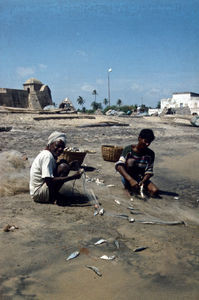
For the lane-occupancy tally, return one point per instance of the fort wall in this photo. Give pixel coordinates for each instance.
(13, 97)
(35, 95)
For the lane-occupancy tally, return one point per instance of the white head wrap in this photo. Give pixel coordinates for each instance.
(56, 136)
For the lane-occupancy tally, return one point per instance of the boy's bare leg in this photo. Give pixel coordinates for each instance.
(152, 189)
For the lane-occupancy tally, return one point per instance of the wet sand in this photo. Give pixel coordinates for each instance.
(33, 258)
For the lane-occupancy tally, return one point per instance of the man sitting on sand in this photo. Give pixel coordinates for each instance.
(46, 176)
(136, 165)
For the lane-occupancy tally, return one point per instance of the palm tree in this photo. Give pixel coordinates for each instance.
(158, 104)
(80, 101)
(105, 101)
(144, 108)
(94, 92)
(96, 105)
(119, 102)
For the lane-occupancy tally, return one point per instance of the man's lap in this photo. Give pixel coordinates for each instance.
(42, 195)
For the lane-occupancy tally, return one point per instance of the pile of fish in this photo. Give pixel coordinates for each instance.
(96, 180)
(73, 149)
(104, 257)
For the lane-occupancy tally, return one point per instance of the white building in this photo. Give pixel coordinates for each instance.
(182, 100)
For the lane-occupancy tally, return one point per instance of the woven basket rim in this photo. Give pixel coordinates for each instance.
(112, 146)
(111, 152)
(72, 155)
(74, 152)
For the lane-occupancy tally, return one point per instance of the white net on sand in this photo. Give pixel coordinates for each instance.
(14, 173)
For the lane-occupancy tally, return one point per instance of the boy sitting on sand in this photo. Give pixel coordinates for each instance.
(46, 176)
(136, 164)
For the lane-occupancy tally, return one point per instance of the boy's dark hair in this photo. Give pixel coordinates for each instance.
(147, 134)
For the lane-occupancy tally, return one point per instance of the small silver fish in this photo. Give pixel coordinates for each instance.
(140, 249)
(117, 244)
(107, 257)
(142, 191)
(131, 220)
(101, 241)
(73, 255)
(162, 222)
(110, 185)
(122, 216)
(117, 201)
(136, 213)
(131, 207)
(101, 212)
(96, 270)
(96, 213)
(99, 182)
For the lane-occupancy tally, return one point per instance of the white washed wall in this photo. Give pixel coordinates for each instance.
(181, 100)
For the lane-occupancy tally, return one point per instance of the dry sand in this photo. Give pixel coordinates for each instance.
(33, 258)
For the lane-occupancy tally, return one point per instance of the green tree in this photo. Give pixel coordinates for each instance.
(144, 108)
(80, 101)
(119, 102)
(96, 105)
(94, 92)
(158, 104)
(105, 101)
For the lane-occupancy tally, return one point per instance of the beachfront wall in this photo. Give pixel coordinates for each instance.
(13, 98)
(35, 95)
(182, 100)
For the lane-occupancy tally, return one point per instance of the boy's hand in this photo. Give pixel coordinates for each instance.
(78, 174)
(134, 185)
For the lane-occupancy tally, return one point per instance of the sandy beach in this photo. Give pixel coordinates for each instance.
(33, 257)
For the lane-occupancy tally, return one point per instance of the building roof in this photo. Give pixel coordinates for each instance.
(190, 93)
(33, 81)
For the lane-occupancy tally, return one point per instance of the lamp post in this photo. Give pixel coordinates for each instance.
(109, 94)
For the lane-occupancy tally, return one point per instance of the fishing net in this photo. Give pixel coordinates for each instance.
(14, 173)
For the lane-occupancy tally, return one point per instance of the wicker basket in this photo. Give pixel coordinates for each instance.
(111, 152)
(71, 156)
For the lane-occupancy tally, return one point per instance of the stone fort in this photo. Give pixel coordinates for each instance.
(35, 95)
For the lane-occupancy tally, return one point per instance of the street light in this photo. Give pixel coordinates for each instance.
(109, 94)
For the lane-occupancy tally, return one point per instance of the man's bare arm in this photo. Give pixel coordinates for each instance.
(57, 181)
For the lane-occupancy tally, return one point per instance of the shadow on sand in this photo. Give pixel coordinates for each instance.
(148, 196)
(72, 199)
(88, 168)
(167, 193)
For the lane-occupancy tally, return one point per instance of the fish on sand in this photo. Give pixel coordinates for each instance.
(95, 269)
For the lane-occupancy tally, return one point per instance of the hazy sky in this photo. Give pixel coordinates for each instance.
(152, 47)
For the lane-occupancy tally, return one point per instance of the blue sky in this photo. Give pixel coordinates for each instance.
(152, 47)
